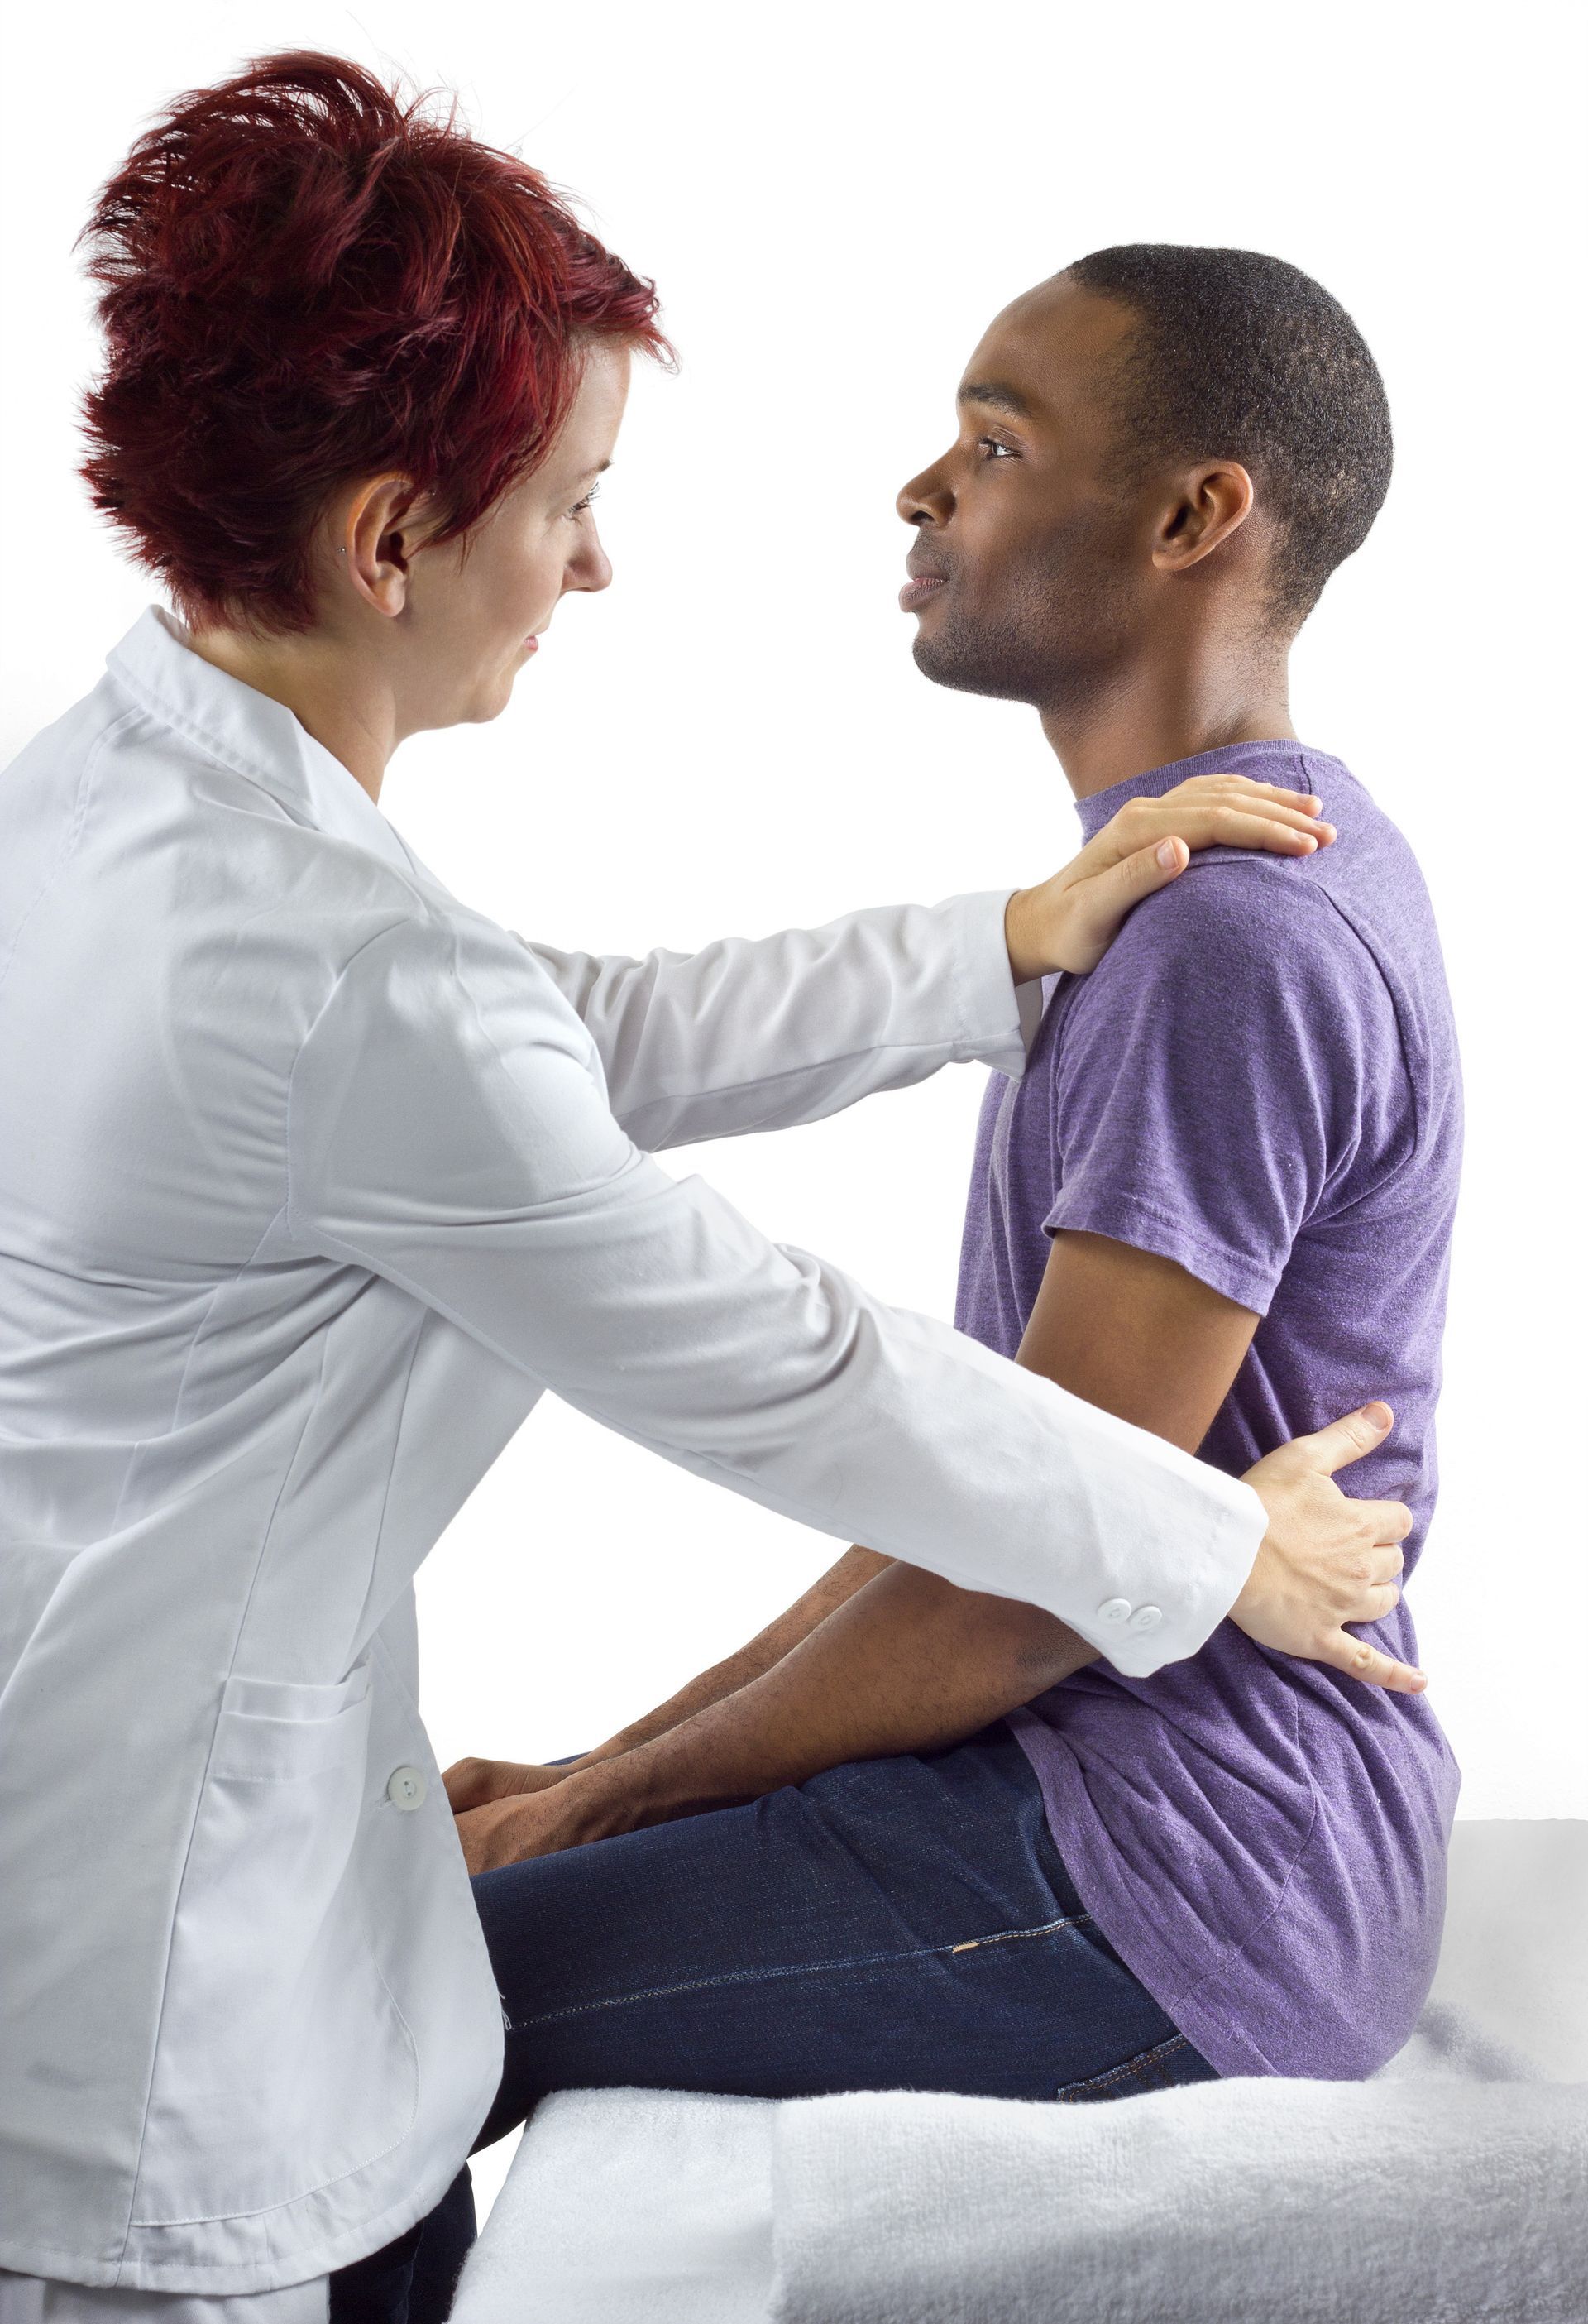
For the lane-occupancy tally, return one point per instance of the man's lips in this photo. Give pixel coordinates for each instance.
(919, 588)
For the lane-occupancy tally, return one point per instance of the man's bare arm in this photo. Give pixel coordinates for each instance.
(471, 1783)
(1124, 1329)
(900, 1660)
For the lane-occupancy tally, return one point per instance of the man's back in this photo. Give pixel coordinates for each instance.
(1260, 1083)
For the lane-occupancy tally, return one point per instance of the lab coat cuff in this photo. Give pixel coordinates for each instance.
(1210, 1570)
(998, 1020)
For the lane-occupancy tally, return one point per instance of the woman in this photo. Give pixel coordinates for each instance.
(313, 1178)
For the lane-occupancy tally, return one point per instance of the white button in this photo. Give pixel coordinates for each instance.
(1114, 1609)
(1146, 1617)
(406, 1788)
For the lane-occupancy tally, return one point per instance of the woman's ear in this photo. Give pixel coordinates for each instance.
(1214, 500)
(375, 534)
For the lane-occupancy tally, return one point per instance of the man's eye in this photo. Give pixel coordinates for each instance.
(995, 451)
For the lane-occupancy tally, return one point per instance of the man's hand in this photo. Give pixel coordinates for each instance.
(1070, 920)
(1325, 1561)
(475, 1783)
(583, 1805)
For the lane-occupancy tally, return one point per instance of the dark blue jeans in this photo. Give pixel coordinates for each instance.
(895, 1925)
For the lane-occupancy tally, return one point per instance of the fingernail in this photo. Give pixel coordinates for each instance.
(1379, 1415)
(1168, 854)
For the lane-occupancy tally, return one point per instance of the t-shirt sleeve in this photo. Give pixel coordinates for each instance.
(1210, 1082)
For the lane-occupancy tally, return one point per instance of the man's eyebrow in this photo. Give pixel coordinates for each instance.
(993, 391)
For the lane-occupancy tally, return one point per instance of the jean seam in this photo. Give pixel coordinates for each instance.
(1139, 2064)
(798, 1968)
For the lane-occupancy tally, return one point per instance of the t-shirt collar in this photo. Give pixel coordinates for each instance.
(246, 731)
(1282, 761)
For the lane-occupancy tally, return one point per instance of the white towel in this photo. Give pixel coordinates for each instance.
(1452, 2188)
(1244, 2202)
(630, 2207)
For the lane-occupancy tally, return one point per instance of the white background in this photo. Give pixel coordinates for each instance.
(734, 737)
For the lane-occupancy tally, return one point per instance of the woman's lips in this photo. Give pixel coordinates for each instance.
(916, 591)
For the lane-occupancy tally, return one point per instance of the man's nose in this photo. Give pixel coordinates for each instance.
(926, 498)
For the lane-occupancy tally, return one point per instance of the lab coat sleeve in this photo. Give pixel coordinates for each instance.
(448, 1130)
(761, 1034)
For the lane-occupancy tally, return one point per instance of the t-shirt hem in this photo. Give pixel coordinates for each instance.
(1133, 1219)
(1231, 2050)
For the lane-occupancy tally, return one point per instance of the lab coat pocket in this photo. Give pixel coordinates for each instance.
(283, 2062)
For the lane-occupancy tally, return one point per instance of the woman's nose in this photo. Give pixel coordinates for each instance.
(591, 569)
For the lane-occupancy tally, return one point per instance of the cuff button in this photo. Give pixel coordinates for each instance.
(1114, 1609)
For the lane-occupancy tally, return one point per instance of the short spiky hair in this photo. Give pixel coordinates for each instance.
(305, 277)
(1241, 356)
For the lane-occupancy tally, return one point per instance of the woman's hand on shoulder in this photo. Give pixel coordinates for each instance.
(1070, 921)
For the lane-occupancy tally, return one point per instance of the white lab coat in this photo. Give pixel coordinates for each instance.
(311, 1179)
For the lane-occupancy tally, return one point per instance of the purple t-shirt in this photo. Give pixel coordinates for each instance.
(1259, 1081)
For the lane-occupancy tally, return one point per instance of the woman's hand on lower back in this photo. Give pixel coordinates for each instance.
(1070, 921)
(1326, 1560)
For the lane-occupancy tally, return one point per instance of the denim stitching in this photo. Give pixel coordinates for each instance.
(795, 1968)
(1136, 2065)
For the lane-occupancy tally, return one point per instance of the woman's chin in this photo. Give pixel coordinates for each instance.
(490, 697)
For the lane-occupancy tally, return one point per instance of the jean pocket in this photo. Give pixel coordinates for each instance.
(1161, 2068)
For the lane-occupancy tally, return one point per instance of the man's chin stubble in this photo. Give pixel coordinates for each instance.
(991, 666)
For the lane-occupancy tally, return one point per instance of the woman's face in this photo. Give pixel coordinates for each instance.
(474, 611)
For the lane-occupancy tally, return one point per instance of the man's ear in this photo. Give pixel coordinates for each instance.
(1212, 503)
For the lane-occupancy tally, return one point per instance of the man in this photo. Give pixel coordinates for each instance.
(1220, 1198)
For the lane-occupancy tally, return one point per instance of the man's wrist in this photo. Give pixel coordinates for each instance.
(598, 1799)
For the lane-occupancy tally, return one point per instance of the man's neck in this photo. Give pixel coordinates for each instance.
(1154, 716)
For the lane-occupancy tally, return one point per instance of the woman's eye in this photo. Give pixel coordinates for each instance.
(579, 507)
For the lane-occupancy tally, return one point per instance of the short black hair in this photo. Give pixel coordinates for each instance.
(1238, 355)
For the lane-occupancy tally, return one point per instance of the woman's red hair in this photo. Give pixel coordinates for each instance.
(303, 280)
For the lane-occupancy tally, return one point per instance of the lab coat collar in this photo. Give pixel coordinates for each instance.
(246, 731)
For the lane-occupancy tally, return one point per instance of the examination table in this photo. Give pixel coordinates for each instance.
(1450, 2188)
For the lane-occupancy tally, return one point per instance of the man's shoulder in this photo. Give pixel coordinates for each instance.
(1240, 920)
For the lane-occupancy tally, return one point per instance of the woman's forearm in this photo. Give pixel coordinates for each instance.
(908, 1662)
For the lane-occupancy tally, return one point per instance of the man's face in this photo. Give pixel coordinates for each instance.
(1031, 575)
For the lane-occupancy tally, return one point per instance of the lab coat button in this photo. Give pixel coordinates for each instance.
(1146, 1617)
(1114, 1609)
(406, 1788)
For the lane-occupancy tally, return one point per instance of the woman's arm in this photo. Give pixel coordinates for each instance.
(761, 1035)
(909, 1662)
(448, 1132)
